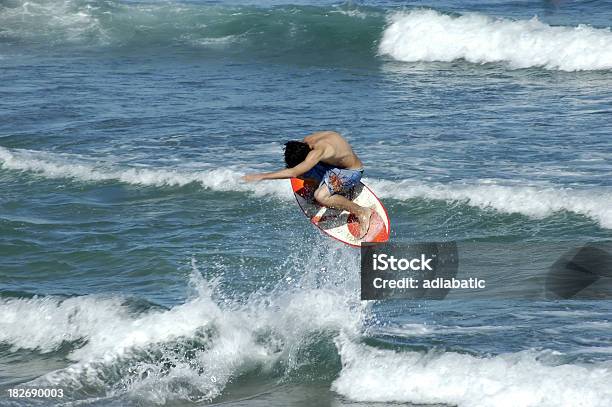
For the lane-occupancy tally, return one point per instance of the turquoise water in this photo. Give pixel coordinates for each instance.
(137, 269)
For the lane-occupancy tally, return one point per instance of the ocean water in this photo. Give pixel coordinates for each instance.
(137, 269)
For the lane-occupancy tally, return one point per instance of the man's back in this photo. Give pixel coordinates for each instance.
(338, 151)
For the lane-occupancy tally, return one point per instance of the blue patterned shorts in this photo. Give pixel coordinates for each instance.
(337, 180)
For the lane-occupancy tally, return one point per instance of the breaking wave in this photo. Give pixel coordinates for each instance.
(517, 379)
(51, 165)
(326, 34)
(190, 351)
(198, 349)
(427, 35)
(531, 201)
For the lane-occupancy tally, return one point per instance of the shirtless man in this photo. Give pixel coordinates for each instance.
(327, 158)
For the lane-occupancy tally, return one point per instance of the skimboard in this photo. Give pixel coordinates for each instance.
(341, 225)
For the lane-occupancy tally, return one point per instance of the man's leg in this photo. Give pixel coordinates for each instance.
(325, 198)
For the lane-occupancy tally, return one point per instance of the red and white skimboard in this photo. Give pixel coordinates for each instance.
(341, 225)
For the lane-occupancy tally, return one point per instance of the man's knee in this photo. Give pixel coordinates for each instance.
(321, 195)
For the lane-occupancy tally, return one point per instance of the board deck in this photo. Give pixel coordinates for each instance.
(342, 225)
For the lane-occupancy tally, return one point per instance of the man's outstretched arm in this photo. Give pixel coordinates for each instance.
(311, 160)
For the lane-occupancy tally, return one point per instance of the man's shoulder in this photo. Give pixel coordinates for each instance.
(318, 135)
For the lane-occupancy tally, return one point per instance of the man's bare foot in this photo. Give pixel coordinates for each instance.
(364, 221)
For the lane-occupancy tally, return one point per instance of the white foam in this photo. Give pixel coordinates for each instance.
(512, 380)
(67, 320)
(216, 41)
(407, 330)
(355, 13)
(427, 35)
(52, 20)
(233, 337)
(533, 201)
(70, 166)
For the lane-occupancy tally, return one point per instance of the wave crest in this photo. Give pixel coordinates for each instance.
(332, 34)
(517, 379)
(427, 35)
(532, 201)
(190, 351)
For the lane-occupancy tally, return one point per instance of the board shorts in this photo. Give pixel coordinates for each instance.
(325, 174)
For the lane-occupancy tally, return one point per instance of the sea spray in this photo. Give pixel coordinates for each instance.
(193, 350)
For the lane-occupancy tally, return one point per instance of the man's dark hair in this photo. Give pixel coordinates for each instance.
(295, 152)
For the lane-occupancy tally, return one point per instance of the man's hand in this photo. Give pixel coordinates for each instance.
(252, 177)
